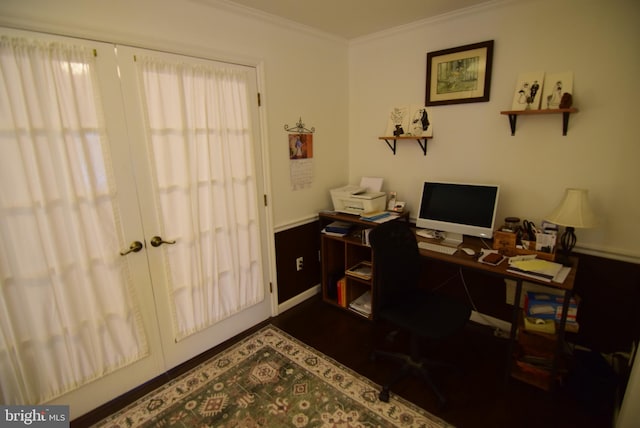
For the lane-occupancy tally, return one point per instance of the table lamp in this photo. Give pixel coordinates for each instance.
(574, 211)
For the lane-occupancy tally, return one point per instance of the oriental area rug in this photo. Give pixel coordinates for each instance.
(270, 380)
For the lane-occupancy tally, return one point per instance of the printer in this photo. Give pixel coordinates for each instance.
(357, 200)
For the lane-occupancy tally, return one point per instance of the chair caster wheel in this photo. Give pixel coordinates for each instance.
(384, 395)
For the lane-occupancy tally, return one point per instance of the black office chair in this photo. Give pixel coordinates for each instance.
(399, 300)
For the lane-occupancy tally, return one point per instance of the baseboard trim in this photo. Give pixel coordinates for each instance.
(309, 293)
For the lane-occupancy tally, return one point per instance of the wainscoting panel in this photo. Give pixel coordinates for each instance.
(298, 241)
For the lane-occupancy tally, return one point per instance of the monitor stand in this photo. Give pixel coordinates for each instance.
(452, 239)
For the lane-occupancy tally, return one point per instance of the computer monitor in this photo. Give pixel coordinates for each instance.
(458, 209)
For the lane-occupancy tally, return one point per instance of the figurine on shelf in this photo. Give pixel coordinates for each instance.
(566, 101)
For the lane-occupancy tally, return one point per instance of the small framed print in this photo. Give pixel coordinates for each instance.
(459, 75)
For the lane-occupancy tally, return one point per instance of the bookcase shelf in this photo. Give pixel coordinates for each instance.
(338, 254)
(422, 141)
(534, 357)
(565, 112)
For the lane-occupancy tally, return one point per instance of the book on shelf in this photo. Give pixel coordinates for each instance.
(340, 234)
(365, 237)
(342, 292)
(338, 227)
(362, 304)
(362, 270)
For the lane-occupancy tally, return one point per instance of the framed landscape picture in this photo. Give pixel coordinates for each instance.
(459, 75)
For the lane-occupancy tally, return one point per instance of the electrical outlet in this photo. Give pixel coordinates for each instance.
(299, 262)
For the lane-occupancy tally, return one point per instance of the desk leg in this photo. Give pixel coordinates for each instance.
(560, 344)
(514, 329)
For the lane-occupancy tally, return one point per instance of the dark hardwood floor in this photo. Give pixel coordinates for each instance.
(477, 397)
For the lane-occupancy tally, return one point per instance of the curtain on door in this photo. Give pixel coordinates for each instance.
(201, 146)
(66, 312)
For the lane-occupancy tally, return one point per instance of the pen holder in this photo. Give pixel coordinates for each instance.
(505, 243)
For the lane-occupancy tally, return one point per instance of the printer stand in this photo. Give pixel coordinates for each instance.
(339, 254)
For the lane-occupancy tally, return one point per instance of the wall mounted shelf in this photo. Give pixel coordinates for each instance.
(422, 141)
(513, 116)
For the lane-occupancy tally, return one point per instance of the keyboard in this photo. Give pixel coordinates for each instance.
(436, 247)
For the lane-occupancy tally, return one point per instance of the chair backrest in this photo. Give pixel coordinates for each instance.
(396, 261)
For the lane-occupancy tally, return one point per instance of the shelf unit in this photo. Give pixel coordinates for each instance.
(422, 141)
(565, 112)
(340, 253)
(534, 357)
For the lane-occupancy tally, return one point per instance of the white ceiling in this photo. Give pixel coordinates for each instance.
(355, 18)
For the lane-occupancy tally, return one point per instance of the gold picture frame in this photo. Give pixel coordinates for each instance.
(459, 75)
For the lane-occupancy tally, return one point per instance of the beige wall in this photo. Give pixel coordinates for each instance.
(305, 72)
(599, 41)
(345, 90)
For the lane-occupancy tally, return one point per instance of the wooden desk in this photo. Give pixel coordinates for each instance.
(341, 253)
(461, 259)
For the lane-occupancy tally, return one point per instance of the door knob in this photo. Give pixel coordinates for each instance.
(156, 241)
(133, 248)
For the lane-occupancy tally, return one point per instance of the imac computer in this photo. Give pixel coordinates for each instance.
(458, 209)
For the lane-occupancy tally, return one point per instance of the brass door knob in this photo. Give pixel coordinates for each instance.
(156, 241)
(133, 248)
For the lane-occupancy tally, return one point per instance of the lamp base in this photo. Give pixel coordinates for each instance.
(567, 242)
(564, 260)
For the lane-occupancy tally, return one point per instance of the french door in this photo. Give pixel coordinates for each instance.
(171, 256)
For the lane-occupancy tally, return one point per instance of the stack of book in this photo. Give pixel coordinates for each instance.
(362, 270)
(379, 216)
(543, 270)
(362, 305)
(548, 307)
(337, 228)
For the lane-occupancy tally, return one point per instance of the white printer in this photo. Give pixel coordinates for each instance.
(357, 200)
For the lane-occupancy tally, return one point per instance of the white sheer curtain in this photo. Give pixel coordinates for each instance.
(66, 315)
(201, 148)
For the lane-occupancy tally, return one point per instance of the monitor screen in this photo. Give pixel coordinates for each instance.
(458, 209)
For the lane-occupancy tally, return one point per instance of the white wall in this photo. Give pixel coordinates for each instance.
(305, 73)
(599, 41)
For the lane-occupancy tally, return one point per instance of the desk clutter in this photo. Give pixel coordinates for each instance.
(548, 307)
(516, 239)
(348, 274)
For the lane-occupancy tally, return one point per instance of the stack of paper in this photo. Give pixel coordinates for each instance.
(537, 268)
(361, 270)
(362, 304)
(375, 215)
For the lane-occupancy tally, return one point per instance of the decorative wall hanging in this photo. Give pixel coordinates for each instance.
(409, 121)
(300, 143)
(459, 75)
(556, 85)
(528, 91)
(299, 128)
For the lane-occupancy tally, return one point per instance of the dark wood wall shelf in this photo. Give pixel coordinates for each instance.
(513, 116)
(422, 141)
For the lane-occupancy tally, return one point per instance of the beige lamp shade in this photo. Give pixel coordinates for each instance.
(574, 210)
